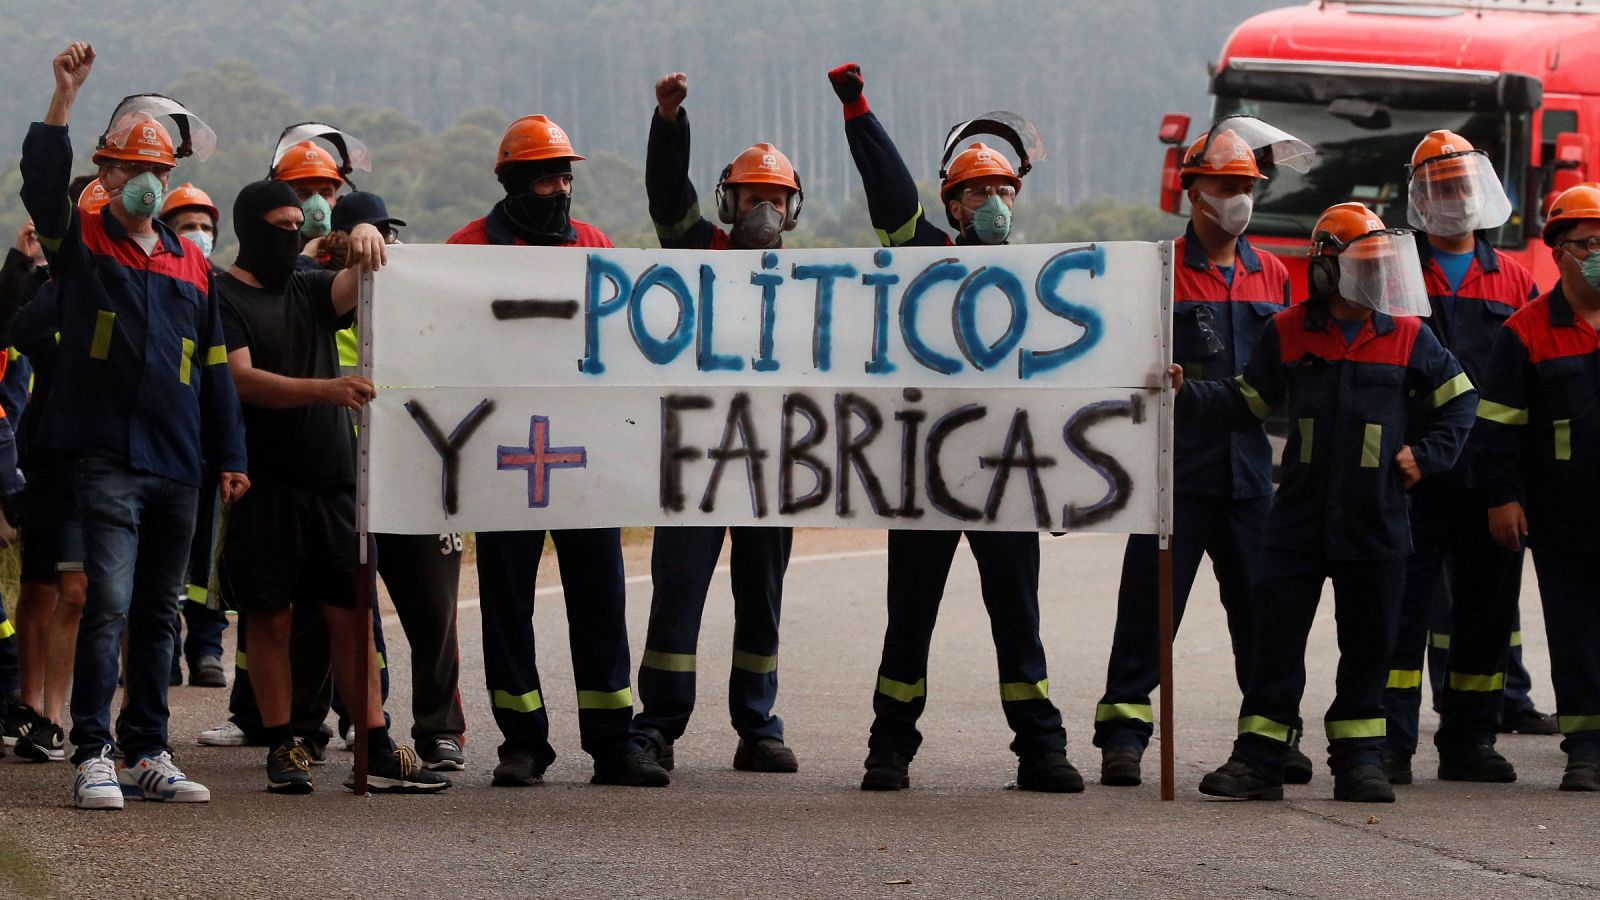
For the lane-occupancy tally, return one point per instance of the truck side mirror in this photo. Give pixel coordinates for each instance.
(1174, 129)
(1569, 165)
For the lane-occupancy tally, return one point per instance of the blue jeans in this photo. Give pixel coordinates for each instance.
(136, 533)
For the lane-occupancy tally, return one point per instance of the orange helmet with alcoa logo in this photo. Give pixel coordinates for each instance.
(187, 196)
(1443, 154)
(1581, 201)
(1340, 228)
(978, 161)
(94, 198)
(136, 137)
(1227, 155)
(761, 164)
(531, 139)
(306, 160)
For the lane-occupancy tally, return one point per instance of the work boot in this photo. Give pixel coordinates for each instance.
(1297, 767)
(1363, 784)
(207, 672)
(635, 768)
(764, 755)
(1119, 767)
(1049, 773)
(1397, 767)
(1581, 775)
(1239, 780)
(886, 771)
(1530, 721)
(1476, 762)
(658, 747)
(518, 768)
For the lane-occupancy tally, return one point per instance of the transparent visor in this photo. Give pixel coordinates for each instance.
(193, 138)
(1014, 129)
(1456, 194)
(1381, 271)
(1272, 145)
(352, 152)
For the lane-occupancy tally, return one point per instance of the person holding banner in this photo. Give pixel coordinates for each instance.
(759, 196)
(979, 188)
(1224, 290)
(145, 399)
(1536, 449)
(534, 165)
(1351, 363)
(1472, 288)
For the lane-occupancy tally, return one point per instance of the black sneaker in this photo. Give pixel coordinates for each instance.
(1049, 773)
(441, 754)
(1363, 784)
(1297, 767)
(886, 771)
(1119, 767)
(207, 672)
(517, 768)
(288, 769)
(1530, 721)
(659, 748)
(316, 747)
(400, 772)
(1581, 775)
(1478, 762)
(1396, 767)
(1238, 780)
(15, 720)
(636, 768)
(763, 755)
(43, 742)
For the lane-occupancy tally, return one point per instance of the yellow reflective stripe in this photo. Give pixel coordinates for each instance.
(526, 703)
(6, 629)
(195, 592)
(382, 663)
(668, 662)
(1252, 398)
(100, 346)
(1371, 446)
(899, 690)
(1402, 679)
(1450, 390)
(754, 662)
(13, 354)
(1439, 641)
(1575, 724)
(349, 351)
(48, 243)
(1347, 729)
(902, 234)
(1505, 415)
(1265, 727)
(217, 355)
(1111, 712)
(1017, 691)
(1307, 431)
(1516, 639)
(622, 699)
(671, 232)
(1563, 438)
(185, 357)
(1480, 683)
(241, 662)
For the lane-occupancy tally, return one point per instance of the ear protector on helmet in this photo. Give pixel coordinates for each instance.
(728, 202)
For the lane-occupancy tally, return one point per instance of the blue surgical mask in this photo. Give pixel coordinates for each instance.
(991, 222)
(142, 195)
(201, 240)
(319, 217)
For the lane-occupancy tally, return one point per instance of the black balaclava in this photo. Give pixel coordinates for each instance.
(265, 251)
(532, 218)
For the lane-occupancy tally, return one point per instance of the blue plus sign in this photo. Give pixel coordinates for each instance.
(538, 458)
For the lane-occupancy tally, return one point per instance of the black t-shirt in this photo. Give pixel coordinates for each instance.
(292, 334)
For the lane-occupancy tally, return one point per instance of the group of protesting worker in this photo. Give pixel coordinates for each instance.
(189, 442)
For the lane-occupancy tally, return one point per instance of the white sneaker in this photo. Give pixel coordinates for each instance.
(225, 735)
(157, 777)
(97, 786)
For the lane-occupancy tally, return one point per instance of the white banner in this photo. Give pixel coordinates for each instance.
(1004, 388)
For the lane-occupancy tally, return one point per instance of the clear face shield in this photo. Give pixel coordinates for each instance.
(1456, 193)
(1272, 146)
(1014, 129)
(194, 137)
(1381, 271)
(353, 154)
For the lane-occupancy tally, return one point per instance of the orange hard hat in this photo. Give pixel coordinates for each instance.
(187, 196)
(307, 160)
(977, 161)
(1440, 155)
(136, 137)
(531, 139)
(93, 199)
(1340, 228)
(761, 164)
(1227, 155)
(1581, 201)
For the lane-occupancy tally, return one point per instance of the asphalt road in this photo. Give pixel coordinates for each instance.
(717, 832)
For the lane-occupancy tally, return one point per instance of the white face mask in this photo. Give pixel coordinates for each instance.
(1232, 214)
(1454, 217)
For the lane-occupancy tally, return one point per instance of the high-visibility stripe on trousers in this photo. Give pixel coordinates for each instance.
(1569, 586)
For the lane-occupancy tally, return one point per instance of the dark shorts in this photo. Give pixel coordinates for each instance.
(290, 545)
(52, 533)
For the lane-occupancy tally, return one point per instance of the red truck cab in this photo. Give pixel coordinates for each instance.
(1363, 80)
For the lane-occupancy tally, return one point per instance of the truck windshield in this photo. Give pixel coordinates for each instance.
(1362, 157)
